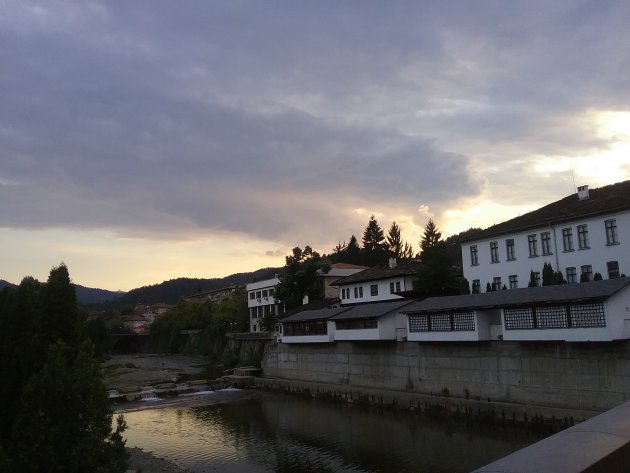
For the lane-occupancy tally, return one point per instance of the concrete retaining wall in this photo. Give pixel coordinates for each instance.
(584, 376)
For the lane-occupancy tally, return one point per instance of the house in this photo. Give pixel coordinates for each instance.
(590, 311)
(310, 326)
(152, 312)
(217, 295)
(261, 303)
(580, 235)
(336, 272)
(135, 323)
(374, 321)
(378, 283)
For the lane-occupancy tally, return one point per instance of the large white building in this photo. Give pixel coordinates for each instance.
(581, 235)
(261, 303)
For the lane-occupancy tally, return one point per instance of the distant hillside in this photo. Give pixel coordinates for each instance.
(170, 292)
(4, 284)
(92, 296)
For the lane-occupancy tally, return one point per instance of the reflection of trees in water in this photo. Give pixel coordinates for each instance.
(291, 434)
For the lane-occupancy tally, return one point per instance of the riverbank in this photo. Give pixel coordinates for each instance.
(148, 462)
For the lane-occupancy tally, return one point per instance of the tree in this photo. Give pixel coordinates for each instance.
(396, 247)
(299, 278)
(54, 408)
(431, 236)
(374, 246)
(532, 279)
(548, 275)
(436, 275)
(353, 251)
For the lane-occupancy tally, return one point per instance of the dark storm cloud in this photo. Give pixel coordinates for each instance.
(275, 120)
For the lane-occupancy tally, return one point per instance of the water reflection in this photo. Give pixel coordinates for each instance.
(275, 433)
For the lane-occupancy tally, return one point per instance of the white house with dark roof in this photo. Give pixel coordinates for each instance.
(591, 311)
(310, 326)
(376, 321)
(337, 271)
(378, 283)
(580, 235)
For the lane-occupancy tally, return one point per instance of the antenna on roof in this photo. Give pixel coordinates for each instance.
(573, 176)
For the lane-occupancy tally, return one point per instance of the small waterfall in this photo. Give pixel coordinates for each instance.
(148, 396)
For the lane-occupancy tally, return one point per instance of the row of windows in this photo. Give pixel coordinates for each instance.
(264, 310)
(261, 294)
(305, 328)
(559, 316)
(359, 324)
(442, 322)
(612, 238)
(586, 275)
(358, 291)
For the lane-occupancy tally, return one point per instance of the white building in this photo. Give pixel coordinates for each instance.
(337, 271)
(581, 235)
(378, 283)
(261, 302)
(583, 312)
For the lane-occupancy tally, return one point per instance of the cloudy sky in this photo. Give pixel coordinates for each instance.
(146, 140)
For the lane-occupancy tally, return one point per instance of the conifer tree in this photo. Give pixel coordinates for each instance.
(431, 236)
(374, 246)
(396, 247)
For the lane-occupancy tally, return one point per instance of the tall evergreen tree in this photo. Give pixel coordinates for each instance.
(548, 275)
(532, 279)
(431, 236)
(353, 251)
(396, 246)
(54, 408)
(374, 246)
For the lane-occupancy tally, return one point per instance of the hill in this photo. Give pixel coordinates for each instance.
(93, 296)
(170, 292)
(4, 284)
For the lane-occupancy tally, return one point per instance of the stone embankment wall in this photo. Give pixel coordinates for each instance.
(584, 376)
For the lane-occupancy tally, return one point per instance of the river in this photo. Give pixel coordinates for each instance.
(282, 434)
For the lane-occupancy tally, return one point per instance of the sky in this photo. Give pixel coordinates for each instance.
(142, 141)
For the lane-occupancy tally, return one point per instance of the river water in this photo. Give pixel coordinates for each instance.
(289, 434)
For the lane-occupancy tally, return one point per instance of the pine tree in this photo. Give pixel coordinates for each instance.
(353, 251)
(431, 236)
(532, 279)
(374, 246)
(548, 275)
(396, 247)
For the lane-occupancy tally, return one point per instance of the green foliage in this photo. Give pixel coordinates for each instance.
(430, 238)
(396, 246)
(214, 321)
(597, 277)
(532, 279)
(374, 245)
(98, 333)
(55, 411)
(436, 275)
(464, 286)
(299, 278)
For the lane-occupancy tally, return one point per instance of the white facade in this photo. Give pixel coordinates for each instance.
(328, 327)
(599, 245)
(469, 326)
(388, 327)
(261, 302)
(374, 291)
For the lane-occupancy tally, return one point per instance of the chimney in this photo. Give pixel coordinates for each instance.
(583, 192)
(392, 263)
(305, 300)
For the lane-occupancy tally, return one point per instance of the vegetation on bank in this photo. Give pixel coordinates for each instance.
(200, 327)
(54, 407)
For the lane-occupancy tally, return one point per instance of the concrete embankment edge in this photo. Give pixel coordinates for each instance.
(598, 445)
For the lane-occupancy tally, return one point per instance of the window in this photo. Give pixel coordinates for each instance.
(611, 232)
(494, 252)
(545, 241)
(532, 245)
(391, 287)
(496, 284)
(571, 275)
(587, 273)
(509, 249)
(271, 292)
(356, 292)
(537, 278)
(258, 294)
(613, 269)
(264, 294)
(476, 286)
(474, 255)
(567, 239)
(513, 281)
(374, 290)
(360, 291)
(252, 295)
(582, 231)
(397, 286)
